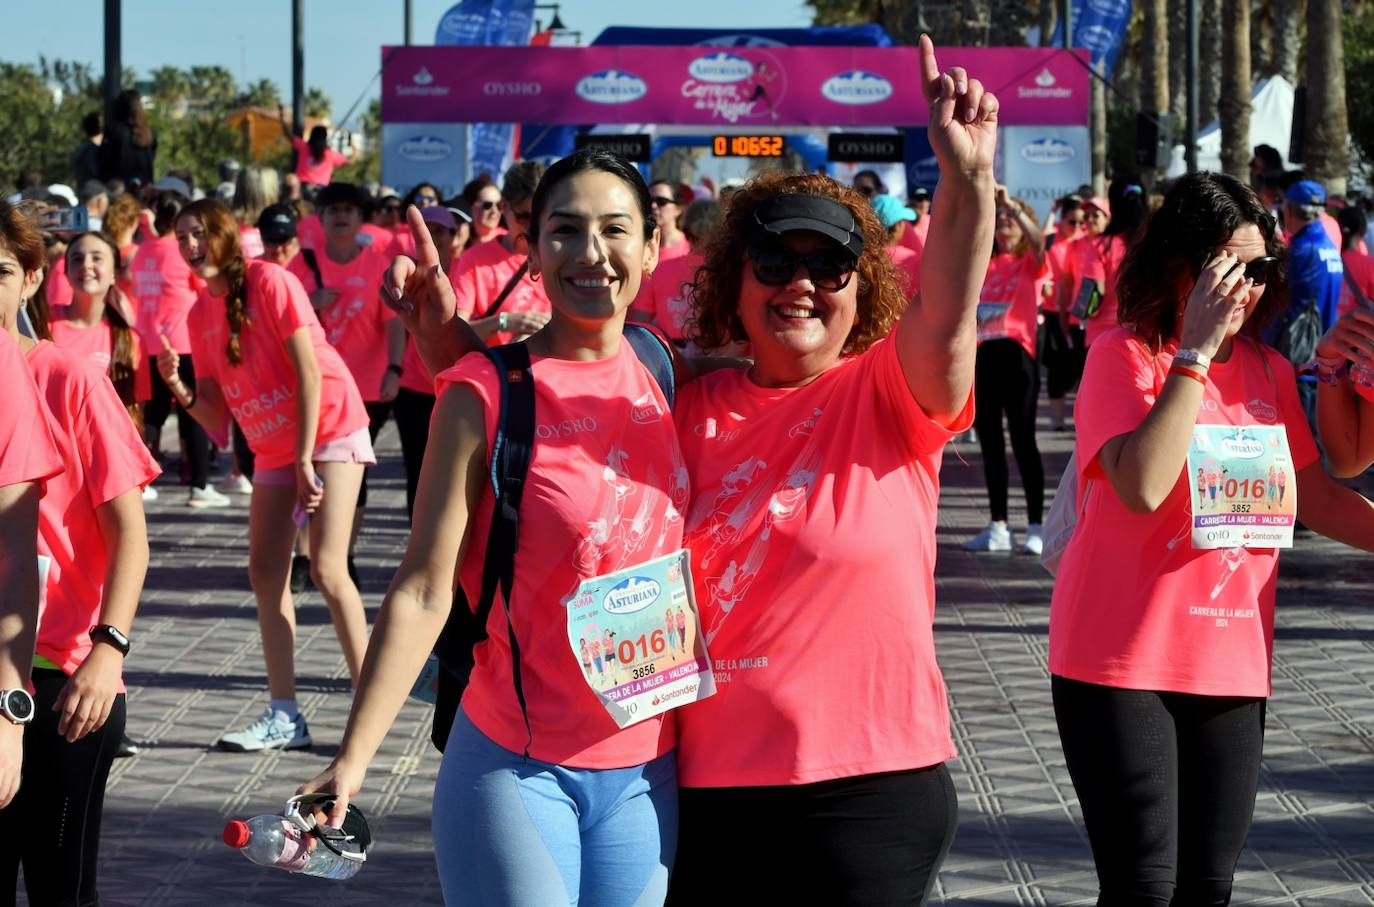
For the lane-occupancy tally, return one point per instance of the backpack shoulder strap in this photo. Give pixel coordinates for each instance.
(313, 264)
(511, 451)
(506, 291)
(653, 351)
(1355, 288)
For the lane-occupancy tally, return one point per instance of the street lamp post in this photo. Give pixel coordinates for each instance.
(298, 66)
(114, 63)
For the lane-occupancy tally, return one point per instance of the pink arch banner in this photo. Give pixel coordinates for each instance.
(717, 87)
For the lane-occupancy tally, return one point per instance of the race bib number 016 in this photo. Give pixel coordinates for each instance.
(637, 637)
(1243, 486)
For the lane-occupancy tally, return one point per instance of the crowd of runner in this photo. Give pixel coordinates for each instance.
(811, 348)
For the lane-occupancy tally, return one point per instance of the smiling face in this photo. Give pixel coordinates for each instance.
(16, 285)
(486, 212)
(1095, 219)
(90, 268)
(592, 254)
(193, 242)
(1247, 244)
(797, 330)
(1009, 232)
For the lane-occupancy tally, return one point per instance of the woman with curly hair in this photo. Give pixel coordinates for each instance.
(1162, 620)
(263, 358)
(815, 475)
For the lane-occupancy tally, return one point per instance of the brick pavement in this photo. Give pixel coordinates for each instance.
(196, 671)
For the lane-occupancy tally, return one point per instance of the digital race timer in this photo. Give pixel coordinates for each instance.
(747, 145)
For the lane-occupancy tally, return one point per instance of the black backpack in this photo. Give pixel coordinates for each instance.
(1298, 336)
(510, 459)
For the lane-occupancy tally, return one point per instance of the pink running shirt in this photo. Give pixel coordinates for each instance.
(665, 297)
(1014, 280)
(355, 322)
(27, 451)
(480, 275)
(96, 344)
(812, 533)
(312, 171)
(606, 489)
(261, 391)
(164, 289)
(1361, 268)
(1061, 252)
(102, 457)
(58, 289)
(908, 265)
(1134, 605)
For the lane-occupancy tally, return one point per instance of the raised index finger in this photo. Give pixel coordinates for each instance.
(425, 254)
(930, 70)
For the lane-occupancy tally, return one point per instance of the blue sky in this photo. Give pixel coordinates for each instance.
(252, 38)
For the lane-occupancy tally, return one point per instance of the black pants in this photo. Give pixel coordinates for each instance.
(1058, 356)
(52, 827)
(242, 452)
(413, 411)
(1006, 380)
(193, 437)
(377, 414)
(868, 840)
(1167, 784)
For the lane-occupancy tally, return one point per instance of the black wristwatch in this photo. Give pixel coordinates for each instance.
(112, 635)
(16, 706)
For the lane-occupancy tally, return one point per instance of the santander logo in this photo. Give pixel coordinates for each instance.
(1045, 86)
(423, 77)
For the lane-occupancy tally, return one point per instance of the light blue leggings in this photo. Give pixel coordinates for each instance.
(508, 831)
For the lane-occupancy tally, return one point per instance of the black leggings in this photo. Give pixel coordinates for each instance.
(1167, 785)
(1006, 380)
(377, 414)
(193, 437)
(413, 411)
(52, 827)
(868, 840)
(242, 452)
(1058, 356)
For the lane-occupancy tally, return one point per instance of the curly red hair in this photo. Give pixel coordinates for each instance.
(715, 320)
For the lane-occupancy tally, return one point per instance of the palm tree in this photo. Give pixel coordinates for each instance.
(1208, 64)
(1234, 102)
(1328, 122)
(1288, 16)
(1154, 82)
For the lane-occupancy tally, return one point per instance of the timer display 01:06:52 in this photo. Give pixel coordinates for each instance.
(747, 145)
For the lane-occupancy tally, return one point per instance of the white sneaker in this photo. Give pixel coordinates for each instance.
(207, 497)
(234, 483)
(272, 731)
(994, 537)
(1035, 540)
(150, 493)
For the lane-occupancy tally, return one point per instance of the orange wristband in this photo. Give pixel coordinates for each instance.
(1180, 370)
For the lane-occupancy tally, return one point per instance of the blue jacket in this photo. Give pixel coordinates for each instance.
(1315, 274)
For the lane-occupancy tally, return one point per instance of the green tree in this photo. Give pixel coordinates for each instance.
(40, 114)
(316, 104)
(262, 93)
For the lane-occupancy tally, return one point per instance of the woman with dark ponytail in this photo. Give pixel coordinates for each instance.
(264, 360)
(315, 160)
(95, 325)
(130, 147)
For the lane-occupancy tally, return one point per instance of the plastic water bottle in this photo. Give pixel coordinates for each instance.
(273, 841)
(1362, 376)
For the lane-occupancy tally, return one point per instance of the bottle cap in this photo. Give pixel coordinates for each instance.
(236, 833)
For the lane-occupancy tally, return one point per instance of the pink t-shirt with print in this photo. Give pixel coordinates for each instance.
(27, 451)
(1058, 257)
(605, 490)
(812, 531)
(1134, 605)
(102, 458)
(164, 290)
(96, 344)
(355, 322)
(665, 297)
(310, 170)
(480, 275)
(261, 391)
(1012, 281)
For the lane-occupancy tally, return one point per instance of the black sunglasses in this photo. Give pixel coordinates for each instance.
(829, 270)
(866, 190)
(1261, 269)
(661, 200)
(487, 206)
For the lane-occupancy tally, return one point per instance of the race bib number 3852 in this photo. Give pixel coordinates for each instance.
(1243, 487)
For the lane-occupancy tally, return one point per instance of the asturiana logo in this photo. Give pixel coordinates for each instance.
(631, 595)
(1046, 86)
(425, 149)
(611, 86)
(1047, 150)
(720, 67)
(857, 87)
(1246, 448)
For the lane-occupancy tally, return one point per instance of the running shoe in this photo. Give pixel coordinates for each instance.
(1035, 540)
(207, 497)
(234, 483)
(272, 731)
(150, 493)
(992, 538)
(126, 748)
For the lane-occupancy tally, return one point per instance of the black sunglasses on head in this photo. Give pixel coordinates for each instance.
(829, 269)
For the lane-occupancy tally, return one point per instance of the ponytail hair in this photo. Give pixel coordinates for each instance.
(222, 239)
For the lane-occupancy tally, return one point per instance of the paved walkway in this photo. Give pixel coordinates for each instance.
(196, 671)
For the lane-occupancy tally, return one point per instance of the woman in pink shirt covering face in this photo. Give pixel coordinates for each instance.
(1161, 624)
(94, 543)
(267, 363)
(815, 476)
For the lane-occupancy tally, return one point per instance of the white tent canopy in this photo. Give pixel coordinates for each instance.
(1271, 123)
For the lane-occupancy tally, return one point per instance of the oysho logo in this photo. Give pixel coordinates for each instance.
(857, 87)
(425, 149)
(1046, 86)
(512, 89)
(630, 595)
(721, 67)
(611, 86)
(1048, 150)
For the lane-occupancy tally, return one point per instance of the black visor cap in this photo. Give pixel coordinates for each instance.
(785, 213)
